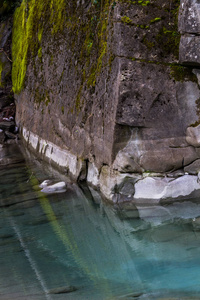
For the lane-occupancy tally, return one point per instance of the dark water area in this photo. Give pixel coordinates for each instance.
(71, 245)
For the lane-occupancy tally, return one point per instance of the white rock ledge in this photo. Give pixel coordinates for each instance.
(52, 153)
(163, 188)
(113, 183)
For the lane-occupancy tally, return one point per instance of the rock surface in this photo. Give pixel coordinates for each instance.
(165, 188)
(59, 187)
(115, 99)
(193, 168)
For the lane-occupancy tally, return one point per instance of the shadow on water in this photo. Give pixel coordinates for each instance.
(73, 246)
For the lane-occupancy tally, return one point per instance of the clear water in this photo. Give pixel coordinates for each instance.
(73, 239)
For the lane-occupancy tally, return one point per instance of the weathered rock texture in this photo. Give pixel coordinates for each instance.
(5, 63)
(100, 91)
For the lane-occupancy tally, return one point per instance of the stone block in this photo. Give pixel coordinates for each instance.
(189, 50)
(189, 17)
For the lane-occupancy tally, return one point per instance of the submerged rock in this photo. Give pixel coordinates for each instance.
(63, 290)
(59, 187)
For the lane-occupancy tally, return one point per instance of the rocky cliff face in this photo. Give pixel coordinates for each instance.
(103, 92)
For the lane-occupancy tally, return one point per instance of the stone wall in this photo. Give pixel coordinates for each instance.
(103, 94)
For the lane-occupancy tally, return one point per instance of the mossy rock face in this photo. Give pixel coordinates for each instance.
(61, 56)
(95, 73)
(149, 31)
(86, 30)
(5, 55)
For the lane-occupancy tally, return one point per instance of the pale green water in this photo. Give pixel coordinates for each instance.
(71, 239)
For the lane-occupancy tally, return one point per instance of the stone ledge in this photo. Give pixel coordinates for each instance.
(61, 158)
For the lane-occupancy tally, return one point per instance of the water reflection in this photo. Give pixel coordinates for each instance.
(72, 246)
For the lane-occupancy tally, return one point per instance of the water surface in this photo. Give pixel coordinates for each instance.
(73, 239)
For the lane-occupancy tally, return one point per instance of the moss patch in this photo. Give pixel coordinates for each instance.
(30, 19)
(126, 20)
(180, 73)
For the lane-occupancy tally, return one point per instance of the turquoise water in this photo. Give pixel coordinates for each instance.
(105, 252)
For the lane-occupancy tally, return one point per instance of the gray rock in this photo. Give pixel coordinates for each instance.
(189, 17)
(5, 125)
(163, 188)
(93, 174)
(193, 136)
(176, 173)
(189, 50)
(112, 184)
(187, 97)
(157, 155)
(10, 135)
(127, 187)
(2, 137)
(193, 168)
(124, 163)
(132, 117)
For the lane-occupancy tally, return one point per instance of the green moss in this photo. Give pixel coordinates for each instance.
(94, 47)
(180, 73)
(40, 32)
(40, 52)
(30, 20)
(143, 3)
(63, 110)
(168, 36)
(20, 46)
(147, 43)
(197, 123)
(126, 20)
(155, 20)
(58, 15)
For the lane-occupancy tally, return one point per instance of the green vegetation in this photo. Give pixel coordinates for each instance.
(140, 2)
(143, 2)
(126, 20)
(94, 46)
(29, 22)
(155, 20)
(58, 15)
(180, 73)
(35, 19)
(147, 43)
